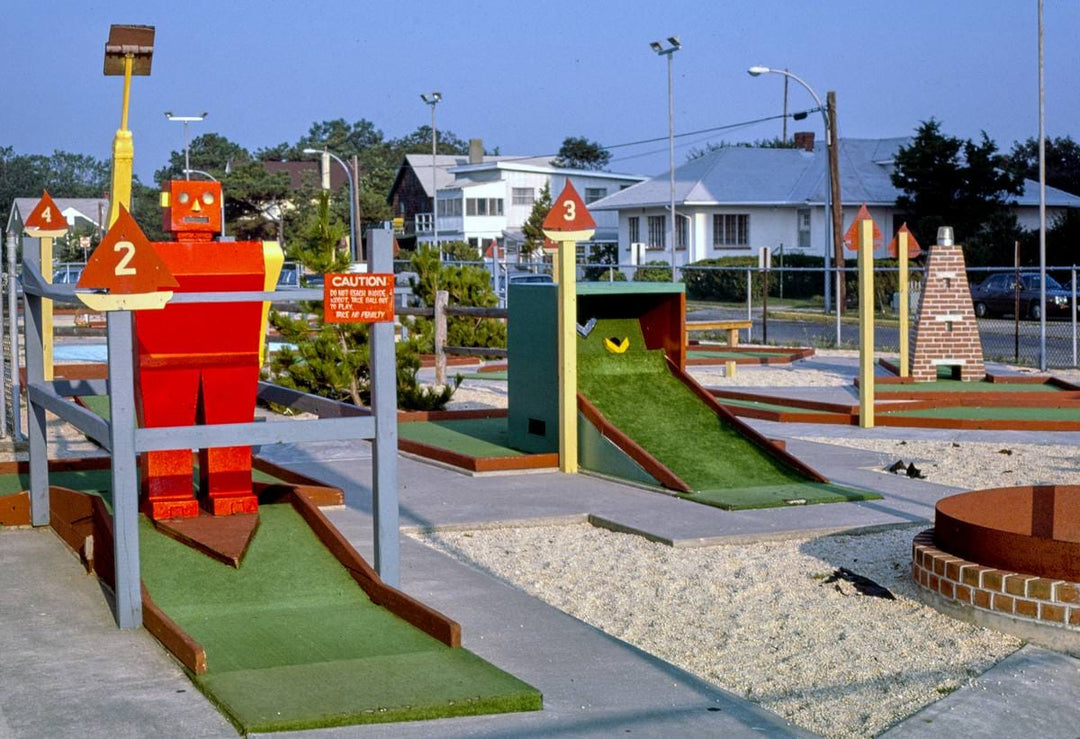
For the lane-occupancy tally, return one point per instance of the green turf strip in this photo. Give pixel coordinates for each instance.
(704, 354)
(95, 482)
(766, 406)
(957, 386)
(475, 437)
(493, 375)
(292, 641)
(1003, 413)
(639, 395)
(778, 496)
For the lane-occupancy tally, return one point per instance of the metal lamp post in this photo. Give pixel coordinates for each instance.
(353, 244)
(669, 52)
(433, 99)
(186, 119)
(759, 70)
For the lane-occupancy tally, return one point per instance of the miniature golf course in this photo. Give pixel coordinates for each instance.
(293, 642)
(638, 392)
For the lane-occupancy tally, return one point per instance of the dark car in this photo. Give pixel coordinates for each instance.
(996, 296)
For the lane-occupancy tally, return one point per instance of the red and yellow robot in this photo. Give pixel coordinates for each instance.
(199, 362)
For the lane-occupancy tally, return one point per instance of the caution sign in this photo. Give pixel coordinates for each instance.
(358, 298)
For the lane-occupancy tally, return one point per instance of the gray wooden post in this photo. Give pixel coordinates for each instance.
(442, 299)
(384, 503)
(125, 486)
(35, 372)
(13, 335)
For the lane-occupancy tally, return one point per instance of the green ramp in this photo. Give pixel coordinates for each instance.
(292, 642)
(637, 392)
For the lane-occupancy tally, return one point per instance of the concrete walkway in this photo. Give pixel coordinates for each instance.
(65, 669)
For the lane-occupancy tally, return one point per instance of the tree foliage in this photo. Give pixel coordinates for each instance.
(960, 183)
(467, 285)
(1062, 162)
(577, 152)
(533, 228)
(63, 174)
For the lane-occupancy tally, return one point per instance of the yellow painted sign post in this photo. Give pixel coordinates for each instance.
(45, 223)
(567, 223)
(128, 52)
(902, 247)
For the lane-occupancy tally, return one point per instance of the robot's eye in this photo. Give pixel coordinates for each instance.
(208, 198)
(183, 198)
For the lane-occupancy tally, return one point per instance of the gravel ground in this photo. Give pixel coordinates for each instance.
(758, 619)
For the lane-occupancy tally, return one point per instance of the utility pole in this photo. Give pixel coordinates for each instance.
(361, 248)
(784, 135)
(837, 205)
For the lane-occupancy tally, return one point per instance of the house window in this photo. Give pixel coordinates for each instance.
(656, 232)
(682, 230)
(450, 208)
(802, 215)
(634, 227)
(484, 206)
(524, 195)
(592, 194)
(731, 230)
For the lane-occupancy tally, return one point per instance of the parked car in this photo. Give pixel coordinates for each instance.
(518, 278)
(996, 296)
(67, 274)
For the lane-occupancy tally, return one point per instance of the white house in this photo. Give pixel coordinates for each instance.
(492, 200)
(735, 200)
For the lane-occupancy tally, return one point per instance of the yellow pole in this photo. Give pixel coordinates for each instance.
(866, 324)
(47, 306)
(123, 153)
(902, 248)
(568, 436)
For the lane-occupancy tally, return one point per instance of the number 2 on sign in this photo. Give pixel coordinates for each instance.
(571, 210)
(122, 267)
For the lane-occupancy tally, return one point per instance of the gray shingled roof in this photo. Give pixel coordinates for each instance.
(752, 176)
(421, 165)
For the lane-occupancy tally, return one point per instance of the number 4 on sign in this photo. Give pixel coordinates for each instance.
(45, 220)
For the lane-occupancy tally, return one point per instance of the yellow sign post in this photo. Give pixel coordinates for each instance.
(128, 52)
(567, 223)
(45, 223)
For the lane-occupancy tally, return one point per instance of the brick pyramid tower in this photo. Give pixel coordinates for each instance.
(946, 332)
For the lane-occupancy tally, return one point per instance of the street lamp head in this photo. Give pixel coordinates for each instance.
(431, 98)
(656, 46)
(757, 71)
(312, 151)
(674, 41)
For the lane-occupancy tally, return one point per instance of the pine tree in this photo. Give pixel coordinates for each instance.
(533, 228)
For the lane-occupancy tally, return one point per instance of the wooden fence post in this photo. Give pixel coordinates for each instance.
(442, 298)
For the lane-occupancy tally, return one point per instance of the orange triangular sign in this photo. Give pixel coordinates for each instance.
(492, 250)
(125, 263)
(45, 220)
(569, 213)
(913, 249)
(851, 238)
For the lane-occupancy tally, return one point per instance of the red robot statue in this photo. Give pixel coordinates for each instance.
(199, 362)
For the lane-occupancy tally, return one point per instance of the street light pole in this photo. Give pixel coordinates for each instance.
(829, 204)
(352, 198)
(433, 99)
(669, 52)
(186, 119)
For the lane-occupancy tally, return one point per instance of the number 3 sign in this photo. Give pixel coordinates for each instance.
(569, 219)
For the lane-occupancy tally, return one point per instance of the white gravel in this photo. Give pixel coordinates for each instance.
(755, 619)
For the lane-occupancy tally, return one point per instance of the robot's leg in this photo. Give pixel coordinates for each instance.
(168, 398)
(228, 396)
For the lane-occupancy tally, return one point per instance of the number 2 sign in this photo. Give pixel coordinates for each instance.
(125, 263)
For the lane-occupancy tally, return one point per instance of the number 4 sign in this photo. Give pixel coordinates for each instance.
(45, 220)
(569, 219)
(127, 268)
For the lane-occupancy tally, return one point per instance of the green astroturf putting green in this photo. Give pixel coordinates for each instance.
(957, 386)
(292, 642)
(493, 375)
(639, 395)
(95, 482)
(476, 437)
(986, 413)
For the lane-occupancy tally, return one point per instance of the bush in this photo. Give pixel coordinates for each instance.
(653, 272)
(467, 285)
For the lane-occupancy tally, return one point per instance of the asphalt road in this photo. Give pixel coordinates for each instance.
(999, 339)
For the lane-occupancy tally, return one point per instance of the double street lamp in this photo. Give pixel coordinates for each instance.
(669, 51)
(433, 99)
(353, 245)
(756, 71)
(186, 119)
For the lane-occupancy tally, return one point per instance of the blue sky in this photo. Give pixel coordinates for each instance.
(523, 76)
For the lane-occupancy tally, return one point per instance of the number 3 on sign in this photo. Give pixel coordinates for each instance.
(122, 267)
(571, 210)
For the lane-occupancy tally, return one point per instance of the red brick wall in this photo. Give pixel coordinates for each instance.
(941, 340)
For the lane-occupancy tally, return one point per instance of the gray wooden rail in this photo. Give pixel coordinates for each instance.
(439, 312)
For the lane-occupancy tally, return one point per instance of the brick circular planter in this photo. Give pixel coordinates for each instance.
(1009, 559)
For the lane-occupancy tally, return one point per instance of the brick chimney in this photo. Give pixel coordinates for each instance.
(476, 151)
(804, 140)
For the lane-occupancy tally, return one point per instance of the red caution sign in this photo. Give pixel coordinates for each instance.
(851, 238)
(358, 298)
(913, 248)
(125, 263)
(45, 220)
(569, 213)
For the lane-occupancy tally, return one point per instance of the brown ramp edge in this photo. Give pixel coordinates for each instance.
(631, 448)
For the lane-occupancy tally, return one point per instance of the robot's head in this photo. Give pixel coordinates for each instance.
(192, 205)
